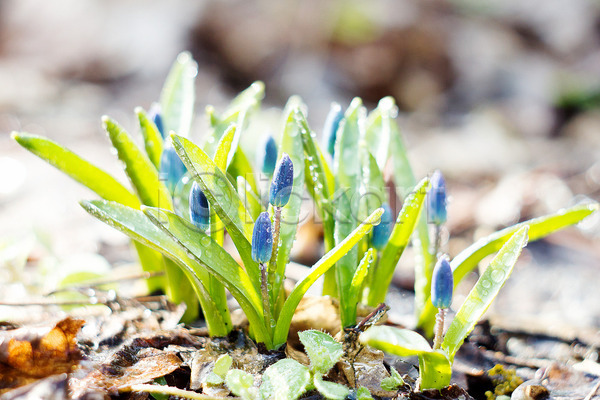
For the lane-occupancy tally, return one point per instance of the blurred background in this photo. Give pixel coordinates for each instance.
(503, 97)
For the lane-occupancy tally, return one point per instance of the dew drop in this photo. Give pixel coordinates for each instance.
(486, 284)
(205, 241)
(497, 275)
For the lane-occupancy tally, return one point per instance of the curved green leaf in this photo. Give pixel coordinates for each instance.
(153, 142)
(378, 132)
(287, 379)
(249, 199)
(435, 369)
(467, 260)
(403, 229)
(77, 168)
(359, 277)
(140, 170)
(326, 262)
(223, 198)
(138, 227)
(322, 350)
(331, 390)
(178, 95)
(290, 143)
(217, 260)
(348, 172)
(237, 112)
(484, 292)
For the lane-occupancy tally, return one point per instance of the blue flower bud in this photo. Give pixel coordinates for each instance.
(382, 232)
(283, 179)
(154, 115)
(332, 123)
(171, 167)
(199, 208)
(442, 283)
(268, 157)
(436, 199)
(262, 239)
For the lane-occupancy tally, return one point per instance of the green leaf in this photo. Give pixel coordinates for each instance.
(138, 227)
(77, 168)
(435, 369)
(322, 350)
(378, 132)
(331, 390)
(347, 171)
(240, 166)
(403, 229)
(241, 384)
(222, 365)
(217, 229)
(372, 184)
(153, 142)
(326, 262)
(290, 143)
(320, 183)
(540, 227)
(287, 379)
(224, 199)
(140, 170)
(248, 198)
(359, 277)
(217, 260)
(178, 95)
(238, 111)
(392, 382)
(484, 292)
(400, 342)
(363, 394)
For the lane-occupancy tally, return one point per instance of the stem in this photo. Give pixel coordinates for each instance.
(437, 240)
(439, 328)
(277, 220)
(265, 297)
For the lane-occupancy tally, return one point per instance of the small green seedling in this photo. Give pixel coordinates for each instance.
(392, 382)
(217, 376)
(288, 379)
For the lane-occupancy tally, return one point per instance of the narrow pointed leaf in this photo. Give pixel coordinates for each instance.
(291, 144)
(484, 292)
(326, 262)
(240, 166)
(403, 229)
(359, 277)
(468, 259)
(223, 198)
(178, 95)
(435, 369)
(217, 260)
(348, 173)
(249, 199)
(378, 132)
(77, 168)
(138, 227)
(140, 170)
(238, 111)
(153, 142)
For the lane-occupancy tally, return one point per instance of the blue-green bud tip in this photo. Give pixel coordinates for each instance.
(171, 167)
(332, 123)
(283, 179)
(262, 239)
(436, 199)
(155, 115)
(268, 157)
(199, 208)
(442, 283)
(382, 232)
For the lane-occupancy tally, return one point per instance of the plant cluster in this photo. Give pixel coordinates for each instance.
(186, 196)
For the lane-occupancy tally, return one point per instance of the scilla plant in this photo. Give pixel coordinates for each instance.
(186, 196)
(347, 182)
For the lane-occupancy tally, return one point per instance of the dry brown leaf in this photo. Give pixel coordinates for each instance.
(27, 354)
